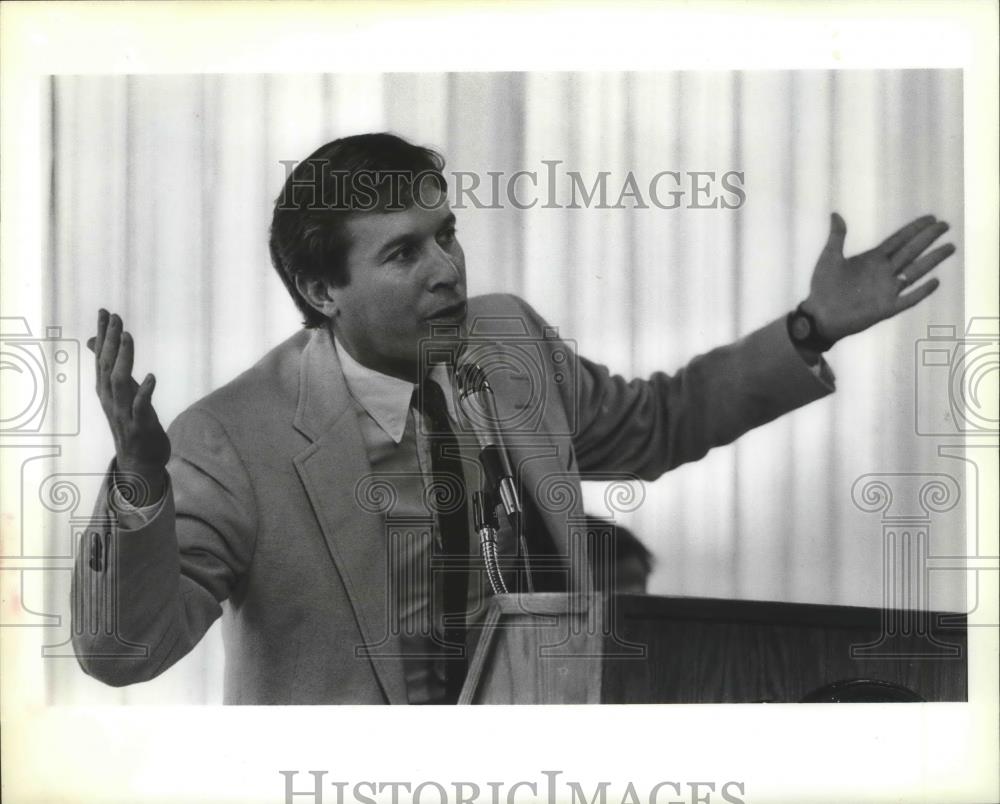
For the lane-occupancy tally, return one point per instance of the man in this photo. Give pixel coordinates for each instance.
(323, 494)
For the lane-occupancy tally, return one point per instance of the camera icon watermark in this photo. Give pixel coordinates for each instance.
(41, 381)
(957, 380)
(524, 370)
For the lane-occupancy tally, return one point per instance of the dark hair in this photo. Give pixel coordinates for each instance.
(626, 544)
(349, 176)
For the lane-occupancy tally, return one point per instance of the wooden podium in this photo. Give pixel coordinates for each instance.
(551, 648)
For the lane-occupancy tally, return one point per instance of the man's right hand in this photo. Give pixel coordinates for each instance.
(141, 445)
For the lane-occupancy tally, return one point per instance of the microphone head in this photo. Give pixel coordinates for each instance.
(471, 379)
(477, 402)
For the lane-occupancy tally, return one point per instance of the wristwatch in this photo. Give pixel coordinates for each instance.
(803, 331)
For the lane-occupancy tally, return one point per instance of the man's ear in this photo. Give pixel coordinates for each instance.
(319, 294)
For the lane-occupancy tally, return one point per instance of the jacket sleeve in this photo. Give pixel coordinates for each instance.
(648, 426)
(143, 597)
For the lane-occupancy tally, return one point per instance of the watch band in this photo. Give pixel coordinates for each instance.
(803, 331)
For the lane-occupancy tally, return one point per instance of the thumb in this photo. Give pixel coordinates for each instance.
(838, 232)
(141, 403)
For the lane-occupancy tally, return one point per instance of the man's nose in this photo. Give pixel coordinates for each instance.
(443, 270)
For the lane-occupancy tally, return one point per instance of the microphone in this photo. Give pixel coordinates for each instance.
(478, 405)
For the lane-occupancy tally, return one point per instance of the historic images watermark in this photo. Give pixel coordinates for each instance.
(417, 567)
(955, 400)
(906, 501)
(62, 544)
(548, 186)
(957, 380)
(314, 787)
(51, 519)
(38, 371)
(534, 373)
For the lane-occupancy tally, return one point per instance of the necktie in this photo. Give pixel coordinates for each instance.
(451, 506)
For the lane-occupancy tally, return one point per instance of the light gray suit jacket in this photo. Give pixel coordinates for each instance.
(265, 515)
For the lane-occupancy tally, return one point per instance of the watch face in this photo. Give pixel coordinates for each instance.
(800, 328)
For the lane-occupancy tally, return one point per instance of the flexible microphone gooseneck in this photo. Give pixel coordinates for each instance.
(478, 405)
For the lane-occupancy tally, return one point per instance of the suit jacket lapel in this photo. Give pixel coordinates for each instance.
(330, 468)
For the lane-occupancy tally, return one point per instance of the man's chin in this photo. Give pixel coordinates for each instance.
(445, 338)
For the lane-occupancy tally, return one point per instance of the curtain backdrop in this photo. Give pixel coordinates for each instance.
(161, 194)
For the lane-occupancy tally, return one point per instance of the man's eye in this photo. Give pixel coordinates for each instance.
(405, 254)
(447, 235)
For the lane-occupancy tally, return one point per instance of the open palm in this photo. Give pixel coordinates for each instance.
(848, 295)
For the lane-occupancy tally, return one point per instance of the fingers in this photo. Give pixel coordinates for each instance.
(838, 233)
(927, 263)
(916, 245)
(896, 241)
(122, 385)
(102, 326)
(915, 296)
(109, 338)
(142, 406)
(97, 343)
(114, 352)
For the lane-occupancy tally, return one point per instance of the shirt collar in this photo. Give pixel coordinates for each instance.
(387, 399)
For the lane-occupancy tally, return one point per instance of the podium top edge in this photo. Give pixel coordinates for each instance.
(719, 609)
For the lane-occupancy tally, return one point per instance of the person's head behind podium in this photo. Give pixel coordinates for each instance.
(364, 240)
(620, 562)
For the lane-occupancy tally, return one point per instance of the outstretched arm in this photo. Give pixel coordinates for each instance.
(650, 426)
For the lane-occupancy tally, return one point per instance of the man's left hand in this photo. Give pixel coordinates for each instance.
(848, 295)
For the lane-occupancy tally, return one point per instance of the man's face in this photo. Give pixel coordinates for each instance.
(407, 273)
